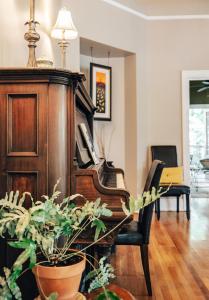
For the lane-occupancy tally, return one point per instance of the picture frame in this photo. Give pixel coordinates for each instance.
(101, 91)
(89, 143)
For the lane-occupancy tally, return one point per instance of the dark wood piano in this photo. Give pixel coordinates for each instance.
(41, 112)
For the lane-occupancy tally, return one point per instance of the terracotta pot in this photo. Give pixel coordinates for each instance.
(63, 280)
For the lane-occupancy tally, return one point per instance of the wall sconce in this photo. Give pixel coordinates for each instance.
(64, 30)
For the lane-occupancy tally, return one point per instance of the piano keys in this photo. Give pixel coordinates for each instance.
(114, 178)
(100, 181)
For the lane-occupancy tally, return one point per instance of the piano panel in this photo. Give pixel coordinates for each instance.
(19, 107)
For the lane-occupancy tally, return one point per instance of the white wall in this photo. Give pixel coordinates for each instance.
(172, 46)
(131, 116)
(14, 50)
(111, 133)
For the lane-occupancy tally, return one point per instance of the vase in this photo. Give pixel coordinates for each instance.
(63, 280)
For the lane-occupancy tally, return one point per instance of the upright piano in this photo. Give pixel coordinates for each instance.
(42, 114)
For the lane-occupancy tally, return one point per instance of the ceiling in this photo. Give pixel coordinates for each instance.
(168, 7)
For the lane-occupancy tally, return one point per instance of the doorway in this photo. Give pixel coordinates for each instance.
(195, 121)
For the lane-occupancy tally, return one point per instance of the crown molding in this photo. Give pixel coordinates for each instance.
(155, 18)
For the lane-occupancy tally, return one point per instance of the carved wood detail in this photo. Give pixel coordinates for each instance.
(22, 125)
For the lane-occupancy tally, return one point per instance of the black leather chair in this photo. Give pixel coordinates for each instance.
(138, 233)
(168, 155)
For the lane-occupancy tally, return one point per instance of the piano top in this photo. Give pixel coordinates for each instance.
(55, 75)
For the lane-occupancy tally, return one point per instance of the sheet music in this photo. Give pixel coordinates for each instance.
(89, 143)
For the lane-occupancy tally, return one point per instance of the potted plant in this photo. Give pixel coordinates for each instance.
(46, 232)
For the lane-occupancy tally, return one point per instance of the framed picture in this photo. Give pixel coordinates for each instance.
(101, 90)
(89, 143)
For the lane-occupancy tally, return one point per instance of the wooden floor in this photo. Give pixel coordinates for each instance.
(179, 257)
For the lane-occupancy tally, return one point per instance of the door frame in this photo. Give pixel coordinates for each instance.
(188, 76)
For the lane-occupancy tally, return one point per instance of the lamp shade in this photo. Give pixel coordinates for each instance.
(64, 27)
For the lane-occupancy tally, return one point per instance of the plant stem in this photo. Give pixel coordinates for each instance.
(102, 237)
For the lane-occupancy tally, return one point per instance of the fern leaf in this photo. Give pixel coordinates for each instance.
(6, 220)
(22, 224)
(56, 184)
(11, 197)
(75, 196)
(100, 226)
(13, 215)
(125, 209)
(97, 202)
(53, 296)
(36, 207)
(16, 196)
(22, 199)
(132, 204)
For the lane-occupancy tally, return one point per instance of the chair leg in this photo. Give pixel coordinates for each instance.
(177, 204)
(188, 207)
(158, 208)
(145, 265)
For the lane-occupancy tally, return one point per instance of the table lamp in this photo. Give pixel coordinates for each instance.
(64, 30)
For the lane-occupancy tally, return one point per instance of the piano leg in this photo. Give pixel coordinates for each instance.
(113, 249)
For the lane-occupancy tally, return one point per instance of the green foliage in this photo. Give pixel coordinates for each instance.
(100, 277)
(100, 226)
(5, 293)
(42, 226)
(107, 295)
(45, 222)
(52, 296)
(8, 286)
(28, 253)
(143, 200)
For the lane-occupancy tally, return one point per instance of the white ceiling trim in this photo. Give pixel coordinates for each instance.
(155, 18)
(126, 8)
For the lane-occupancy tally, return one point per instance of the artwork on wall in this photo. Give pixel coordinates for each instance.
(100, 90)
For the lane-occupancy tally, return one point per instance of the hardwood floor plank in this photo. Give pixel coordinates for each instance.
(179, 257)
